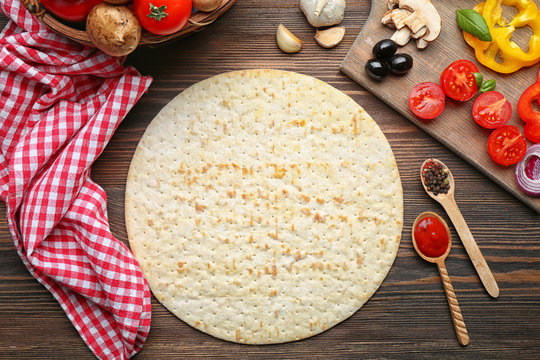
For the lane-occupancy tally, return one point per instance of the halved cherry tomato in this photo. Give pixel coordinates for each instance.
(491, 110)
(426, 100)
(506, 145)
(162, 17)
(532, 131)
(524, 106)
(458, 81)
(70, 10)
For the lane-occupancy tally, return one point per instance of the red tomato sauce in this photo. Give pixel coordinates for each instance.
(431, 237)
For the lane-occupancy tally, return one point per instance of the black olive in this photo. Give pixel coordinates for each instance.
(376, 69)
(384, 49)
(400, 64)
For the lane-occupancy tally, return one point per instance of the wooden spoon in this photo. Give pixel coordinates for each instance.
(457, 318)
(449, 204)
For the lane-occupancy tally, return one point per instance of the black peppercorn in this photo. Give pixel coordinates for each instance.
(435, 178)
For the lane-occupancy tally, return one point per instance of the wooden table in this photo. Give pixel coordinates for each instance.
(408, 316)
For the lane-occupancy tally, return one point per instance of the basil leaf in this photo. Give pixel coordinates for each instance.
(472, 22)
(488, 85)
(479, 79)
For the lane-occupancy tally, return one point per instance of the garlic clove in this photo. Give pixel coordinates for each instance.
(286, 40)
(330, 37)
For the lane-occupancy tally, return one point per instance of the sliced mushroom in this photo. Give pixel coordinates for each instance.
(399, 16)
(419, 33)
(392, 4)
(387, 20)
(423, 14)
(421, 43)
(417, 19)
(401, 36)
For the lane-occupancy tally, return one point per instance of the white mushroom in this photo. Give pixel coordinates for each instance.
(419, 33)
(401, 36)
(417, 19)
(114, 29)
(399, 16)
(423, 14)
(321, 13)
(392, 4)
(421, 43)
(387, 20)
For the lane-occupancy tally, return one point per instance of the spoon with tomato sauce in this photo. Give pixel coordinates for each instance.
(435, 173)
(432, 241)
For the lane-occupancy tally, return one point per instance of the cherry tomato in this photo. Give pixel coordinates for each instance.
(491, 110)
(426, 100)
(70, 10)
(162, 17)
(506, 145)
(524, 106)
(532, 131)
(458, 81)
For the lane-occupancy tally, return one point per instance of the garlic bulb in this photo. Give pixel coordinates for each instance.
(321, 13)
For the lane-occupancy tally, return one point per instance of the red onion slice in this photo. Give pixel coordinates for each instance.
(528, 171)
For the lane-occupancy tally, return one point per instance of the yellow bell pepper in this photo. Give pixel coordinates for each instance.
(502, 54)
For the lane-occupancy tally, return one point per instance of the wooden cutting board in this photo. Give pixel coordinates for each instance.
(455, 127)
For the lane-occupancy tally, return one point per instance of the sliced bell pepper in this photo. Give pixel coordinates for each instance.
(528, 114)
(524, 106)
(502, 54)
(532, 131)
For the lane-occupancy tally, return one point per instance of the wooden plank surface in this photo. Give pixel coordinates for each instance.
(407, 318)
(454, 127)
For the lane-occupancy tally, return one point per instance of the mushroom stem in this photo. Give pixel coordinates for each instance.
(319, 6)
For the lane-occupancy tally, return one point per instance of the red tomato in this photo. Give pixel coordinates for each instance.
(506, 145)
(524, 106)
(532, 131)
(458, 81)
(162, 17)
(426, 100)
(70, 10)
(491, 110)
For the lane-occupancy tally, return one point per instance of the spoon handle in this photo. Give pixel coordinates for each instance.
(480, 264)
(457, 318)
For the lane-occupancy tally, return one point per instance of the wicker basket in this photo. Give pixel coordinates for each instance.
(198, 21)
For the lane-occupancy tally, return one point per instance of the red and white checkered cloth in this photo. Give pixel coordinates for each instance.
(60, 104)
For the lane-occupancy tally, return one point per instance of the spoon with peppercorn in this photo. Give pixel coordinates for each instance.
(439, 184)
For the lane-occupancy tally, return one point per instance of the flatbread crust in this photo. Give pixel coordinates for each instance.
(263, 206)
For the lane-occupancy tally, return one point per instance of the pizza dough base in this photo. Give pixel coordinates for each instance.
(263, 206)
